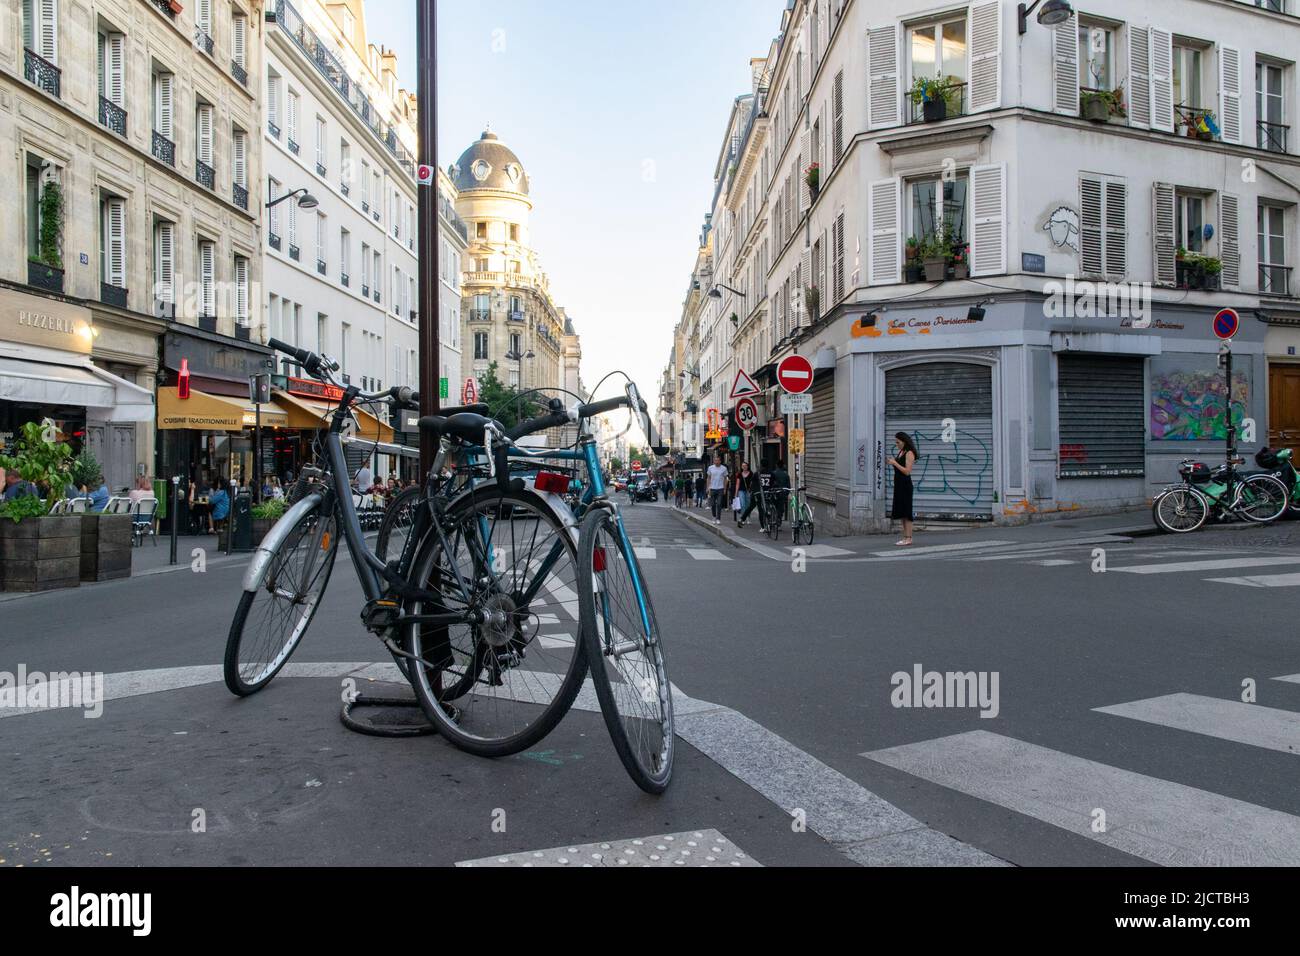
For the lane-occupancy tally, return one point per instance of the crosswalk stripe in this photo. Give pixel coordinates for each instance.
(1052, 562)
(1157, 820)
(1217, 565)
(645, 554)
(822, 551)
(1262, 581)
(939, 549)
(1290, 678)
(1226, 719)
(707, 554)
(555, 640)
(691, 849)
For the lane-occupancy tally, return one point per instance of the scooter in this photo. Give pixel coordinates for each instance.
(1278, 463)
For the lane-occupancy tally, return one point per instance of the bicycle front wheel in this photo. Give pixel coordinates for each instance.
(625, 651)
(270, 622)
(497, 688)
(399, 517)
(1261, 499)
(1180, 510)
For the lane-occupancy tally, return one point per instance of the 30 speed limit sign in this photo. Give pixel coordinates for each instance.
(746, 413)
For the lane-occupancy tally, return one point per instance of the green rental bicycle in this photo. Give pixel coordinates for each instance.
(1186, 506)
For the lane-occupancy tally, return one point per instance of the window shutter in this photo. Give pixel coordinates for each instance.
(204, 132)
(1116, 194)
(293, 117)
(203, 16)
(1230, 240)
(838, 271)
(1139, 77)
(1230, 94)
(1065, 67)
(837, 121)
(165, 104)
(273, 100)
(241, 290)
(207, 278)
(1162, 233)
(293, 221)
(49, 30)
(29, 25)
(240, 158)
(116, 211)
(801, 163)
(117, 69)
(985, 56)
(988, 252)
(884, 94)
(1162, 80)
(806, 47)
(1092, 245)
(165, 262)
(239, 39)
(885, 254)
(101, 70)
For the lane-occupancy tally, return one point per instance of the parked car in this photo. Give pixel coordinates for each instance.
(644, 488)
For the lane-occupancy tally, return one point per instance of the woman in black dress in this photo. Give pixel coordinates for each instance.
(905, 460)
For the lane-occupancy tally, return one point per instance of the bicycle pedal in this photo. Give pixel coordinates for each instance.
(381, 615)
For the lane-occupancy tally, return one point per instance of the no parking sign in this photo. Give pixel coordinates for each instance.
(1226, 323)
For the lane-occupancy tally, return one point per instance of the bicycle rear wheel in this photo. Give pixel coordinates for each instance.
(1261, 499)
(625, 651)
(399, 517)
(497, 688)
(271, 621)
(1180, 510)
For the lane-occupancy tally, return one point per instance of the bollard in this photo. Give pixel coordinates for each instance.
(176, 486)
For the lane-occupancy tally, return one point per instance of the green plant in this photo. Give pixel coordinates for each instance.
(812, 175)
(812, 299)
(84, 470)
(40, 459)
(51, 228)
(273, 509)
(24, 506)
(508, 405)
(1112, 99)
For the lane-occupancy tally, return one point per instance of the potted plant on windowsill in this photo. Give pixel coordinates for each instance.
(39, 551)
(934, 254)
(812, 302)
(961, 261)
(1093, 106)
(175, 7)
(813, 177)
(933, 95)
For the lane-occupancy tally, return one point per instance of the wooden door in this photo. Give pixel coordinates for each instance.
(1284, 406)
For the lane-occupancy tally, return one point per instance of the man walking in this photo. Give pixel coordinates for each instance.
(699, 490)
(717, 488)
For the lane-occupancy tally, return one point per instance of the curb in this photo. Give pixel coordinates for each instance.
(713, 529)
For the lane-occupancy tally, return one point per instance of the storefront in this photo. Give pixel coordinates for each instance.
(308, 405)
(46, 371)
(1282, 345)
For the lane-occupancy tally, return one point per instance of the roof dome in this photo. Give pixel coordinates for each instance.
(489, 164)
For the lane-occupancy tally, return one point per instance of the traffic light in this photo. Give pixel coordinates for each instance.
(183, 380)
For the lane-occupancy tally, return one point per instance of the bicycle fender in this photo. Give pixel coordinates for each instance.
(256, 570)
(559, 506)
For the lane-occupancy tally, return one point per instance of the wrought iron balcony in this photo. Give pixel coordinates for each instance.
(1271, 136)
(293, 147)
(376, 296)
(164, 150)
(515, 316)
(205, 175)
(165, 7)
(42, 276)
(344, 279)
(376, 215)
(240, 195)
(112, 295)
(239, 73)
(273, 240)
(395, 232)
(344, 189)
(203, 40)
(1274, 280)
(413, 314)
(242, 332)
(365, 291)
(480, 315)
(320, 266)
(320, 169)
(951, 105)
(365, 206)
(112, 116)
(208, 323)
(294, 252)
(42, 73)
(273, 129)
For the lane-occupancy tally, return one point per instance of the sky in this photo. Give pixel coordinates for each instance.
(617, 112)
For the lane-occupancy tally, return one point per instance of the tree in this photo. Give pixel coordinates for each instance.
(616, 464)
(504, 403)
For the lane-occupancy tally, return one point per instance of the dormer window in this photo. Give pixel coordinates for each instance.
(481, 169)
(513, 172)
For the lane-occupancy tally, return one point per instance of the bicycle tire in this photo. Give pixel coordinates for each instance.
(400, 509)
(1178, 498)
(468, 728)
(234, 673)
(652, 769)
(1276, 490)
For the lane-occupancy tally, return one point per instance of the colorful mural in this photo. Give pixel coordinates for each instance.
(1187, 405)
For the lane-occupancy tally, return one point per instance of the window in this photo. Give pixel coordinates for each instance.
(322, 247)
(1271, 131)
(273, 103)
(112, 67)
(297, 325)
(1096, 56)
(41, 28)
(345, 254)
(239, 157)
(514, 232)
(164, 262)
(1103, 226)
(378, 264)
(203, 133)
(515, 349)
(273, 193)
(207, 278)
(345, 165)
(241, 291)
(480, 345)
(480, 230)
(112, 241)
(239, 40)
(203, 16)
(292, 213)
(349, 25)
(365, 269)
(320, 145)
(1190, 221)
(344, 341)
(514, 266)
(163, 85)
(938, 49)
(365, 185)
(1187, 76)
(1274, 276)
(397, 291)
(291, 120)
(480, 265)
(322, 332)
(376, 190)
(935, 203)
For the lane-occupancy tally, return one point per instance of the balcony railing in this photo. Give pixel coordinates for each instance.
(365, 205)
(240, 195)
(164, 150)
(208, 323)
(344, 279)
(1187, 121)
(112, 295)
(49, 278)
(165, 7)
(239, 73)
(413, 314)
(320, 169)
(344, 188)
(294, 252)
(1271, 136)
(112, 116)
(320, 266)
(952, 104)
(376, 296)
(1274, 280)
(42, 73)
(376, 215)
(205, 175)
(515, 316)
(293, 147)
(203, 40)
(273, 129)
(242, 331)
(273, 240)
(365, 291)
(480, 315)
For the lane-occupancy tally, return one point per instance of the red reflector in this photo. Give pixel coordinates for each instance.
(598, 559)
(549, 481)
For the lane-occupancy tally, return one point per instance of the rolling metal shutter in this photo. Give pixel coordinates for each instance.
(1102, 416)
(819, 440)
(951, 480)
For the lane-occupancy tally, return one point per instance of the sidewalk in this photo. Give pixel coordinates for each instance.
(1122, 526)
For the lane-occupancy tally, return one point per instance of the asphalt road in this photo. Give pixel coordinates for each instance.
(793, 748)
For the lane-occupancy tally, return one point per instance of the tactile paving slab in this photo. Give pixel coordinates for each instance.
(691, 848)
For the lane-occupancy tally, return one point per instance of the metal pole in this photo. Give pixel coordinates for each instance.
(427, 153)
(1229, 429)
(176, 488)
(257, 454)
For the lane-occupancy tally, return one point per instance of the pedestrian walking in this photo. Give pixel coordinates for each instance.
(748, 482)
(903, 461)
(699, 490)
(679, 490)
(717, 488)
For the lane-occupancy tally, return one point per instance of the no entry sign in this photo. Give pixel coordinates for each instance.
(1226, 323)
(795, 374)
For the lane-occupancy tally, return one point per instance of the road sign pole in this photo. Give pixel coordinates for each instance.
(430, 364)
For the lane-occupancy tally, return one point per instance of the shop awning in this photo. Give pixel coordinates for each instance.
(104, 396)
(305, 413)
(204, 412)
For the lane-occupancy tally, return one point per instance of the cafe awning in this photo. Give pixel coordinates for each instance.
(105, 396)
(305, 413)
(204, 412)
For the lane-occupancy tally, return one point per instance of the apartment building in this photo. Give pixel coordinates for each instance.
(1017, 235)
(135, 248)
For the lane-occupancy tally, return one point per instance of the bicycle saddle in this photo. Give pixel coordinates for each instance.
(465, 426)
(435, 424)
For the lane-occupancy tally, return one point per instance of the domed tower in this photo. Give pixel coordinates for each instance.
(507, 313)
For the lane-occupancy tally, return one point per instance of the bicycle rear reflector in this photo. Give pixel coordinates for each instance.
(552, 482)
(598, 558)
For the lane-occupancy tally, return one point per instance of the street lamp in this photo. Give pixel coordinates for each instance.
(1054, 13)
(305, 199)
(715, 294)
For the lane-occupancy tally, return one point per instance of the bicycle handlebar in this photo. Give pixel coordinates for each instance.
(604, 405)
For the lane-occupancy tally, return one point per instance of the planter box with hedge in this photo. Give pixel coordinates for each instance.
(105, 547)
(40, 553)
